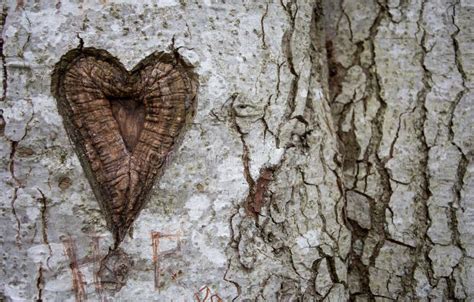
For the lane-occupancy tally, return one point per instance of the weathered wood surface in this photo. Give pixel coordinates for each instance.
(124, 124)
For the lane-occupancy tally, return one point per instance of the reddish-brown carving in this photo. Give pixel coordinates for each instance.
(77, 277)
(97, 259)
(155, 240)
(123, 124)
(208, 295)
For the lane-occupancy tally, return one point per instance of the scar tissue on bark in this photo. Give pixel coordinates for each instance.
(124, 124)
(114, 271)
(257, 194)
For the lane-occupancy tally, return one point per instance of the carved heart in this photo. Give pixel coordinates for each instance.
(123, 124)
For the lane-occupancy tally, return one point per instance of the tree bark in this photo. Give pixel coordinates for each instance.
(401, 100)
(330, 157)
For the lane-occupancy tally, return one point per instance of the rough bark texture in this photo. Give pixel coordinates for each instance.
(401, 100)
(330, 157)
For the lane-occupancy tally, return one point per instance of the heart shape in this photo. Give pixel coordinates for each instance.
(123, 124)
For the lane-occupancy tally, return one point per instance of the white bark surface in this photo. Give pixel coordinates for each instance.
(401, 81)
(262, 104)
(385, 214)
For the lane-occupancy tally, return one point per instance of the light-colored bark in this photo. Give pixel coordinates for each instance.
(402, 104)
(260, 202)
(262, 117)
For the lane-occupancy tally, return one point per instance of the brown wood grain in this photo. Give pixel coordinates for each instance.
(123, 124)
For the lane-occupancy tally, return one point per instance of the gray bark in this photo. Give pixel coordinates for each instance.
(403, 107)
(330, 157)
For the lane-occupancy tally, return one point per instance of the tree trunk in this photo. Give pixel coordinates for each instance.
(400, 95)
(330, 156)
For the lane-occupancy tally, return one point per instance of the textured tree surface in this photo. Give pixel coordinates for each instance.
(401, 79)
(330, 157)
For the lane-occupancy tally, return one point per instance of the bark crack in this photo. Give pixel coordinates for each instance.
(3, 18)
(460, 69)
(262, 25)
(40, 284)
(236, 284)
(44, 224)
(462, 166)
(287, 49)
(17, 182)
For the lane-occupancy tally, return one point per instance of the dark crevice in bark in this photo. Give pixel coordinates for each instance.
(464, 161)
(233, 245)
(277, 86)
(320, 44)
(17, 219)
(3, 18)
(462, 167)
(262, 25)
(245, 148)
(455, 206)
(11, 163)
(460, 69)
(40, 284)
(264, 120)
(336, 72)
(44, 224)
(379, 207)
(291, 9)
(457, 54)
(2, 124)
(344, 13)
(17, 182)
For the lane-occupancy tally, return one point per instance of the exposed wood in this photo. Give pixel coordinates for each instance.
(124, 124)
